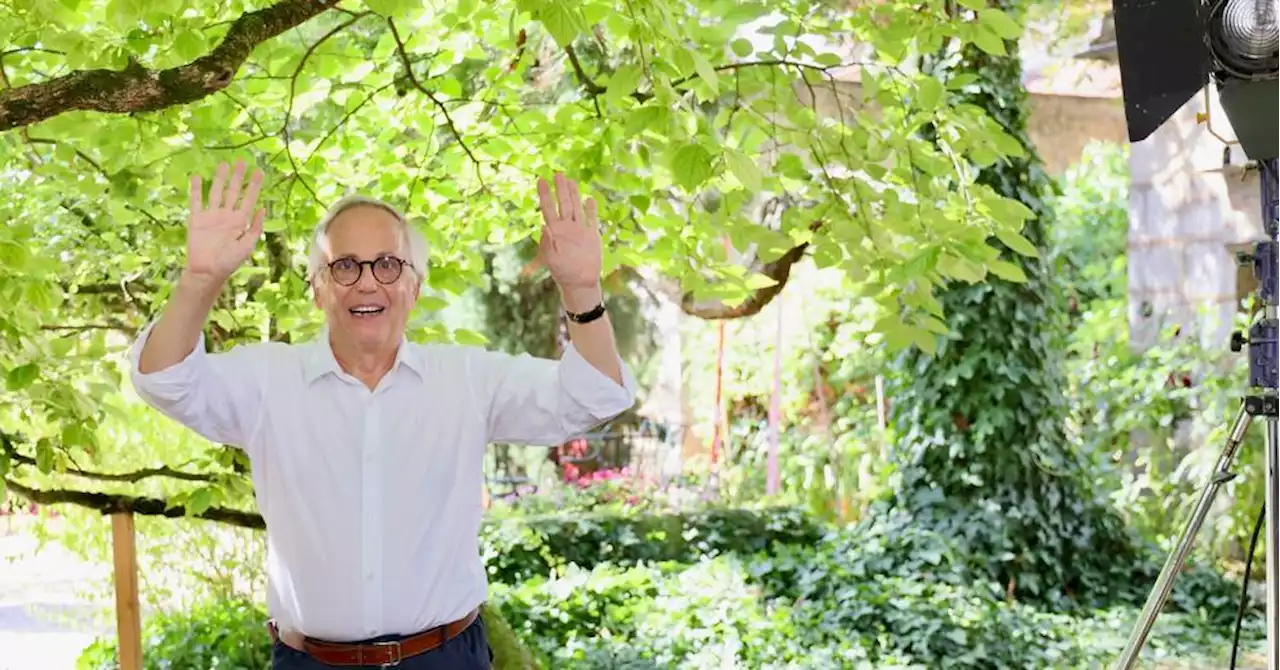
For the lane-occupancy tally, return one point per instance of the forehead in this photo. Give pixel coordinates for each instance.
(364, 231)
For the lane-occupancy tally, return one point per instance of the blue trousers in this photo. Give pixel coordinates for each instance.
(468, 651)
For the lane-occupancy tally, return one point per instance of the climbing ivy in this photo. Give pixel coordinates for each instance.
(981, 451)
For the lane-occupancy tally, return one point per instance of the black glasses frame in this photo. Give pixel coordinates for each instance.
(399, 266)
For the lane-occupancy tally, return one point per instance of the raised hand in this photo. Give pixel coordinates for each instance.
(222, 233)
(570, 246)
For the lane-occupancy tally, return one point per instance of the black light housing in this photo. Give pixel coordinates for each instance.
(1169, 50)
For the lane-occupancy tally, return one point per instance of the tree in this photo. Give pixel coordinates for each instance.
(686, 131)
(981, 450)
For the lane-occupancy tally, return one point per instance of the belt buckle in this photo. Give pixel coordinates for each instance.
(398, 653)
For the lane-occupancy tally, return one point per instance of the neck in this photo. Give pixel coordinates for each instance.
(366, 362)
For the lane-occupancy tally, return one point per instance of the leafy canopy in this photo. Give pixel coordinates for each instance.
(699, 126)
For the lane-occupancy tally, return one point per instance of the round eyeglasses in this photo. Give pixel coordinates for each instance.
(386, 270)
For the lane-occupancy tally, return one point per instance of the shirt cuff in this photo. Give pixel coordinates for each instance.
(175, 375)
(592, 389)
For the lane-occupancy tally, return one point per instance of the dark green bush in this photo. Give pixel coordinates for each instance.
(227, 635)
(523, 548)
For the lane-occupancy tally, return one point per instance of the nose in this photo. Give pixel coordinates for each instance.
(366, 283)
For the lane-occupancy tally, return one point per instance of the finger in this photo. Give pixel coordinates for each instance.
(589, 213)
(251, 194)
(215, 189)
(249, 236)
(562, 195)
(548, 207)
(255, 228)
(547, 240)
(196, 193)
(233, 189)
(575, 201)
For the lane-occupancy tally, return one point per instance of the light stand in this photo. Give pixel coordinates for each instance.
(1263, 377)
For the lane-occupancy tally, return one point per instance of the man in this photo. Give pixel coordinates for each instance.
(367, 448)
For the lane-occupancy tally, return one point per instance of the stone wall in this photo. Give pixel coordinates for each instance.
(1187, 212)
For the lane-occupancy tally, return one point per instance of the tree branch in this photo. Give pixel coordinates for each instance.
(127, 477)
(778, 270)
(413, 79)
(593, 89)
(9, 445)
(137, 89)
(110, 503)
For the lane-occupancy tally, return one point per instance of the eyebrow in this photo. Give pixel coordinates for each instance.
(380, 254)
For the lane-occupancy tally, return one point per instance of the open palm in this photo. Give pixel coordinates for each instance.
(222, 233)
(570, 245)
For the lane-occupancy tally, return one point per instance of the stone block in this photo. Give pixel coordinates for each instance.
(1156, 269)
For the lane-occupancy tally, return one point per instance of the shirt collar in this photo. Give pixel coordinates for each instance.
(318, 359)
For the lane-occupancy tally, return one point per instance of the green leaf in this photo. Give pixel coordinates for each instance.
(199, 501)
(691, 166)
(44, 456)
(1000, 23)
(986, 39)
(706, 73)
(742, 48)
(563, 20)
(22, 376)
(931, 92)
(624, 81)
(1014, 240)
(1006, 270)
(469, 337)
(744, 169)
(756, 281)
(828, 59)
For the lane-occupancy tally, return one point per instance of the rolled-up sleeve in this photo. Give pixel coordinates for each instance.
(218, 396)
(540, 401)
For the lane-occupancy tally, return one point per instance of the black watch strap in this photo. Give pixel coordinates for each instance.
(587, 316)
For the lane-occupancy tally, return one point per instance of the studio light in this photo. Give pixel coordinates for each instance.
(1170, 49)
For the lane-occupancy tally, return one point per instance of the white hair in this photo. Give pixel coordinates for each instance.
(411, 238)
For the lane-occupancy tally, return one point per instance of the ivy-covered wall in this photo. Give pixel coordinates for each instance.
(981, 450)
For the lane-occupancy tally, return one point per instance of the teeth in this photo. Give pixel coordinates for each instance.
(366, 310)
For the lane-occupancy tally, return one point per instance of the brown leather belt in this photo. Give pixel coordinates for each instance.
(385, 654)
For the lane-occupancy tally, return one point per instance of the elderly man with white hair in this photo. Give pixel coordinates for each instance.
(367, 448)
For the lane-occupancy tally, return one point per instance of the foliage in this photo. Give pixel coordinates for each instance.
(887, 593)
(523, 548)
(981, 453)
(1090, 232)
(669, 111)
(228, 634)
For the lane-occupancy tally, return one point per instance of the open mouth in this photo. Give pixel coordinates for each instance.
(366, 311)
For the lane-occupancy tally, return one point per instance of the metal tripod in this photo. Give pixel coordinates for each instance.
(1264, 356)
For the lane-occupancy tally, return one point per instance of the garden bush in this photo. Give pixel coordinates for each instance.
(883, 594)
(213, 635)
(522, 548)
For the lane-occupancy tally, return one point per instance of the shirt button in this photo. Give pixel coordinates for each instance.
(368, 576)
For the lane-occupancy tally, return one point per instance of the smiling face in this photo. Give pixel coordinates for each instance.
(369, 314)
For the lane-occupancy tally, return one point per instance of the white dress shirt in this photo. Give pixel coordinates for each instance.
(372, 499)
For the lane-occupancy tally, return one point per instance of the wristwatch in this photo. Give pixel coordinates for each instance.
(587, 316)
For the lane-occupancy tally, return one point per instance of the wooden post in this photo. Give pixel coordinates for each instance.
(128, 609)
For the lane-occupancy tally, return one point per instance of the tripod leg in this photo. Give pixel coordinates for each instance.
(1273, 544)
(1172, 566)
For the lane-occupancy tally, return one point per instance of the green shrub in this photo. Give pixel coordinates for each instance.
(223, 635)
(537, 546)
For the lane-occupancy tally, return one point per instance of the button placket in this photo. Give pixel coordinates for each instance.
(371, 536)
